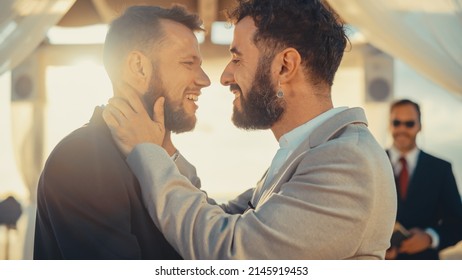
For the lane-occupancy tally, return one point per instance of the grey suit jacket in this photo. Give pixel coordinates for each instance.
(334, 198)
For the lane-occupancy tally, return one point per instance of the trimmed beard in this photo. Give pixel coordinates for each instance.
(261, 108)
(175, 117)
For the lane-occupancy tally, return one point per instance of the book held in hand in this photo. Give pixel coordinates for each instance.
(400, 234)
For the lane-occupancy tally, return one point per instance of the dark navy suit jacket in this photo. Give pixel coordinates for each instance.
(89, 203)
(433, 201)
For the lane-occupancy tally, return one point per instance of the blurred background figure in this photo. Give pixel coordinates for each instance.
(429, 204)
(10, 211)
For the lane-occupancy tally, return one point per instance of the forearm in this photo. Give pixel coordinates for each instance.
(278, 229)
(235, 206)
(188, 170)
(239, 204)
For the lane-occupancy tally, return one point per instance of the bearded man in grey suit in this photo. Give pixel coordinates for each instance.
(329, 192)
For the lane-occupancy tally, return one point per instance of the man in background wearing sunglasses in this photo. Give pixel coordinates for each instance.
(429, 204)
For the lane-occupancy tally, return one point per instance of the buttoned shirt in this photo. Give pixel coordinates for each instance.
(411, 160)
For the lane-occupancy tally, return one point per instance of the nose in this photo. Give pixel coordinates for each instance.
(227, 77)
(203, 80)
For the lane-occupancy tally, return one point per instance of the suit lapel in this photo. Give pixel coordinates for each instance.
(259, 189)
(418, 174)
(323, 133)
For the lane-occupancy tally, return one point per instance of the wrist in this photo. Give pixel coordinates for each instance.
(434, 238)
(175, 155)
(168, 145)
(171, 151)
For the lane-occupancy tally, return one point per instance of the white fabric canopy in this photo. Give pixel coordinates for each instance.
(426, 34)
(23, 25)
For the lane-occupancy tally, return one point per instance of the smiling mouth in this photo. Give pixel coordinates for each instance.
(236, 90)
(401, 135)
(193, 96)
(236, 93)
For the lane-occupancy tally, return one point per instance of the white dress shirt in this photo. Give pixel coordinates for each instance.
(411, 160)
(290, 141)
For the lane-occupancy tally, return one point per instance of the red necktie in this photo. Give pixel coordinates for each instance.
(403, 178)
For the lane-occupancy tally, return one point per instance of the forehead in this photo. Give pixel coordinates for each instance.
(405, 112)
(243, 34)
(178, 40)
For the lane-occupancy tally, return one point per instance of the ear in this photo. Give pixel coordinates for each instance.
(289, 61)
(137, 71)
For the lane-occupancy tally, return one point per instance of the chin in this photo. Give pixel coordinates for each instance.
(404, 147)
(185, 126)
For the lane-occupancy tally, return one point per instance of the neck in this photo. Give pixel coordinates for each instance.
(301, 108)
(404, 151)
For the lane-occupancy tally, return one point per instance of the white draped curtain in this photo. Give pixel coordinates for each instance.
(23, 25)
(425, 34)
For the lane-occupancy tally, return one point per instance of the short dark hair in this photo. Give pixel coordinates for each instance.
(309, 26)
(402, 102)
(139, 28)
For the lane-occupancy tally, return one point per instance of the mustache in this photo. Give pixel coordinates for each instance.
(401, 134)
(193, 89)
(234, 87)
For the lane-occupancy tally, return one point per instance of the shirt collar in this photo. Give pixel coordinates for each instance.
(411, 157)
(292, 139)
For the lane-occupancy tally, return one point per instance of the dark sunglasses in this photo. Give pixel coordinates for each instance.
(408, 124)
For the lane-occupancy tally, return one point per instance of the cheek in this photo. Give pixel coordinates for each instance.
(243, 79)
(176, 86)
(177, 93)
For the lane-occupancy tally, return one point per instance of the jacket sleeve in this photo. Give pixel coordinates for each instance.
(235, 206)
(188, 170)
(450, 228)
(312, 217)
(84, 205)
